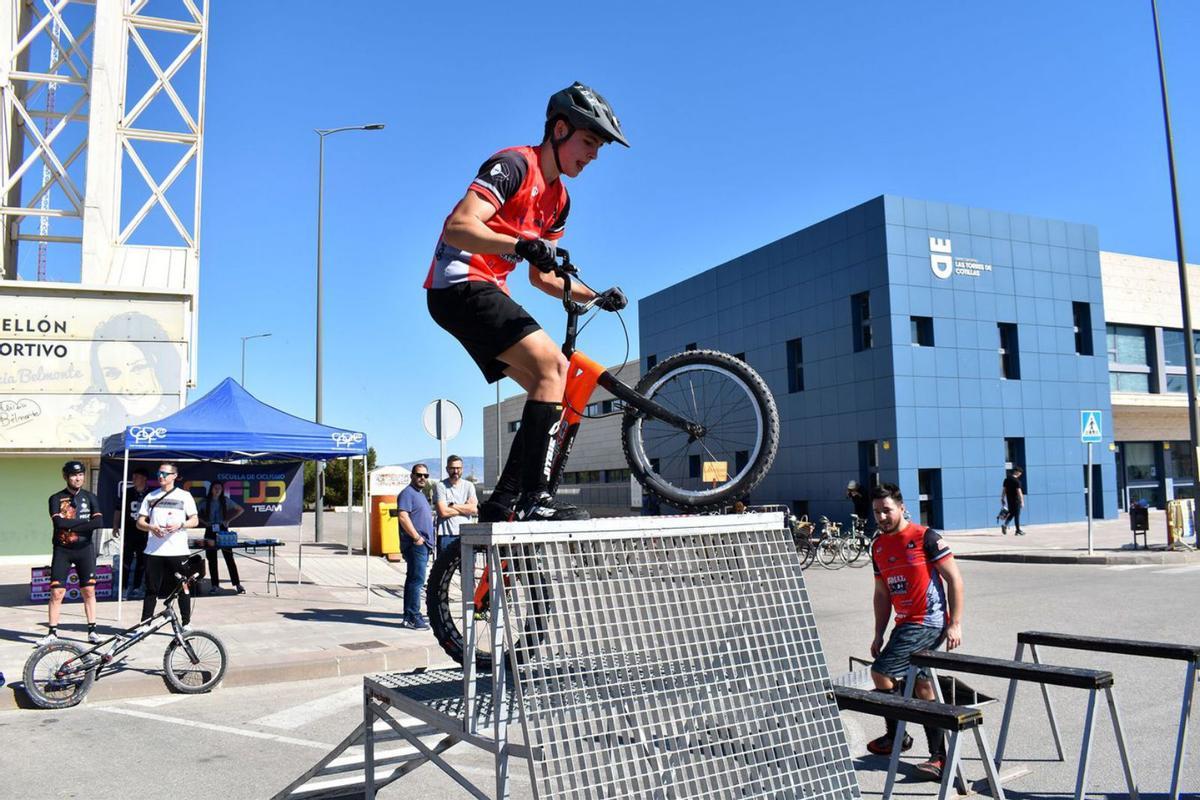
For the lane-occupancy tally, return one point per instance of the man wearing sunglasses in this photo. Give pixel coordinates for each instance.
(166, 515)
(416, 543)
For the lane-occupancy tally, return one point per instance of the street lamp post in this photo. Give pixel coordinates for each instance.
(1181, 257)
(321, 134)
(244, 340)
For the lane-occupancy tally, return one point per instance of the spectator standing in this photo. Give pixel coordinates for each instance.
(416, 543)
(858, 498)
(133, 538)
(217, 511)
(166, 514)
(1013, 497)
(75, 513)
(455, 501)
(910, 563)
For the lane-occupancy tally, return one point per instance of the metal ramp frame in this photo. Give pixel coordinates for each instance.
(637, 657)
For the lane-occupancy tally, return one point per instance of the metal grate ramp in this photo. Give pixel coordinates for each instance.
(677, 662)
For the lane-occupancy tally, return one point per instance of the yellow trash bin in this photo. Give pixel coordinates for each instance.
(385, 528)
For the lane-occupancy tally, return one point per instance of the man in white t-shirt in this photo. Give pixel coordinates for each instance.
(166, 514)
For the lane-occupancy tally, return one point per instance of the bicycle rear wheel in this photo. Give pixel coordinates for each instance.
(198, 671)
(829, 553)
(55, 677)
(740, 430)
(527, 605)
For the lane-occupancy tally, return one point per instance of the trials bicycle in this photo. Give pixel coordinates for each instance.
(60, 674)
(700, 430)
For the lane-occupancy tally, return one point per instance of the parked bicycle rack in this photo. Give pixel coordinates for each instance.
(672, 656)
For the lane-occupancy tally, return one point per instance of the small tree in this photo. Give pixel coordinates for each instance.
(336, 473)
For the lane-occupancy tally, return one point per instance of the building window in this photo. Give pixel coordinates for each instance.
(1129, 355)
(690, 346)
(601, 407)
(694, 467)
(740, 356)
(651, 360)
(1014, 456)
(868, 463)
(860, 312)
(1010, 352)
(616, 475)
(740, 459)
(1175, 358)
(514, 426)
(795, 365)
(1082, 315)
(929, 482)
(800, 509)
(922, 331)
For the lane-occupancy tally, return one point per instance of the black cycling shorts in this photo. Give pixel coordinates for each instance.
(484, 319)
(82, 558)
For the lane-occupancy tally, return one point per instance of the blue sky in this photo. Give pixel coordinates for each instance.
(748, 121)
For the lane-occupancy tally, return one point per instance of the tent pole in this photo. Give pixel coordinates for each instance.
(366, 533)
(349, 501)
(123, 516)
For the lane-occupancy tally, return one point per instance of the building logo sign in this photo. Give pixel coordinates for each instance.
(944, 264)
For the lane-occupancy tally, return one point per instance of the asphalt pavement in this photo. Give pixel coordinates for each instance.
(295, 662)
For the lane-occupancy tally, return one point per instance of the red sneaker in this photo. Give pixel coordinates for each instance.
(933, 768)
(883, 745)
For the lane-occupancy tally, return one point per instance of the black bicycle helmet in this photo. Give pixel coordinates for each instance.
(583, 107)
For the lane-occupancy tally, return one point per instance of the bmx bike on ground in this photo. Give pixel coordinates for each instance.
(700, 430)
(60, 674)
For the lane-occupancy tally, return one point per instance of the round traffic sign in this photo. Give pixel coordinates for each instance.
(442, 420)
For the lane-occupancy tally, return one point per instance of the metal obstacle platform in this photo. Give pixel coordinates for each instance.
(672, 657)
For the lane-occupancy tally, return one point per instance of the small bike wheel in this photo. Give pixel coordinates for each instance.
(851, 549)
(735, 446)
(199, 670)
(443, 607)
(56, 676)
(861, 551)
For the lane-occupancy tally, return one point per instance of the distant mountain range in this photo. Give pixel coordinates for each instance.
(472, 465)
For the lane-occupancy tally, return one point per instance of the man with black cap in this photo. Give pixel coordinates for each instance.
(75, 513)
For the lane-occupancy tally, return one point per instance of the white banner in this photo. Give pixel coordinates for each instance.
(75, 369)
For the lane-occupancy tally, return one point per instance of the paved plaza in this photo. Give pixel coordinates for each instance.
(293, 687)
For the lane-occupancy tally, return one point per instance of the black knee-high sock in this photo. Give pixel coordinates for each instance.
(538, 418)
(508, 486)
(936, 739)
(889, 722)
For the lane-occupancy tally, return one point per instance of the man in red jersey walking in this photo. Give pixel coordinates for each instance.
(916, 577)
(516, 208)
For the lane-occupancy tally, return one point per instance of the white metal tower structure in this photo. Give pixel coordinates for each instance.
(47, 176)
(122, 143)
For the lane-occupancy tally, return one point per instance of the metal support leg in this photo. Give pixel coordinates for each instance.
(898, 739)
(1185, 711)
(937, 695)
(368, 747)
(1085, 751)
(952, 753)
(466, 573)
(499, 667)
(1130, 783)
(985, 755)
(1009, 701)
(1049, 708)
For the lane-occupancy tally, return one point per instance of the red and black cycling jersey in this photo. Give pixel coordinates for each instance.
(904, 561)
(526, 208)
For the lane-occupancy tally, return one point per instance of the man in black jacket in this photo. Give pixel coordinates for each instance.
(75, 513)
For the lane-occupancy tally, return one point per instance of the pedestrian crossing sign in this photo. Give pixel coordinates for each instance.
(1090, 429)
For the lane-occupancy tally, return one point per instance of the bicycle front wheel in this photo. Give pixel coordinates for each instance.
(196, 668)
(56, 677)
(829, 553)
(737, 444)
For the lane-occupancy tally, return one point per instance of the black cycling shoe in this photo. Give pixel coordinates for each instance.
(542, 507)
(495, 511)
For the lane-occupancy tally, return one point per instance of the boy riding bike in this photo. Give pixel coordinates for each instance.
(516, 208)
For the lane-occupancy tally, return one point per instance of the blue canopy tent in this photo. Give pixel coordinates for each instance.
(230, 424)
